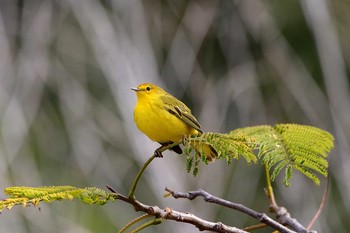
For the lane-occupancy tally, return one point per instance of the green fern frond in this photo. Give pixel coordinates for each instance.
(34, 195)
(288, 146)
(283, 146)
(189, 164)
(225, 146)
(307, 148)
(9, 203)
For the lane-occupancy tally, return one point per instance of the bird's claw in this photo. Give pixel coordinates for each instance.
(158, 154)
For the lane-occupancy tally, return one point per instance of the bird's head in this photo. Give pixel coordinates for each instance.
(147, 90)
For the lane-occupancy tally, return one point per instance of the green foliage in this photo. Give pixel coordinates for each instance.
(226, 146)
(34, 195)
(283, 146)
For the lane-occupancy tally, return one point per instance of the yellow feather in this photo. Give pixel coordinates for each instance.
(162, 117)
(153, 116)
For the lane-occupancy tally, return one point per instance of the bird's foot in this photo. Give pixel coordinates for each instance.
(158, 154)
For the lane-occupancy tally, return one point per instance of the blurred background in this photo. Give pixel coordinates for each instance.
(66, 108)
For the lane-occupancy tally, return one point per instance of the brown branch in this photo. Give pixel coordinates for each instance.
(261, 217)
(285, 218)
(174, 215)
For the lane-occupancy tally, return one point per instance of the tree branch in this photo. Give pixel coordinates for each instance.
(174, 215)
(283, 216)
(261, 217)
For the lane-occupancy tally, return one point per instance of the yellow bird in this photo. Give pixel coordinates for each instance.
(164, 119)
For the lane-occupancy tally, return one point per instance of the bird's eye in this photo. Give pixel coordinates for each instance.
(148, 88)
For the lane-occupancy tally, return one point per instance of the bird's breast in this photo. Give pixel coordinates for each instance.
(159, 124)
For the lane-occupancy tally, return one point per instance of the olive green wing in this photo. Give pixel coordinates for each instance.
(180, 110)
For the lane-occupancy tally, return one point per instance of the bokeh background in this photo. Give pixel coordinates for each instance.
(66, 108)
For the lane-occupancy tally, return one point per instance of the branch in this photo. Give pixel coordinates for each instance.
(261, 217)
(174, 215)
(285, 218)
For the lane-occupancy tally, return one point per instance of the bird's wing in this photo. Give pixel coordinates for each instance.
(180, 110)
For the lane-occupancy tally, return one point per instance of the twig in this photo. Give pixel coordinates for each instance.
(312, 222)
(145, 165)
(255, 227)
(174, 215)
(136, 220)
(269, 190)
(155, 221)
(261, 217)
(285, 218)
(138, 176)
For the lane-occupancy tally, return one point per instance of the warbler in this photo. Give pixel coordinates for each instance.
(165, 119)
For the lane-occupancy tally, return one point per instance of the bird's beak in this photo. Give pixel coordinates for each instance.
(135, 89)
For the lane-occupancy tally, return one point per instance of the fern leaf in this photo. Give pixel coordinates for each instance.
(9, 203)
(34, 195)
(307, 148)
(292, 146)
(288, 175)
(308, 173)
(288, 146)
(225, 145)
(278, 169)
(283, 146)
(189, 164)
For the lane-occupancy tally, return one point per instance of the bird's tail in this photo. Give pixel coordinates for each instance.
(206, 150)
